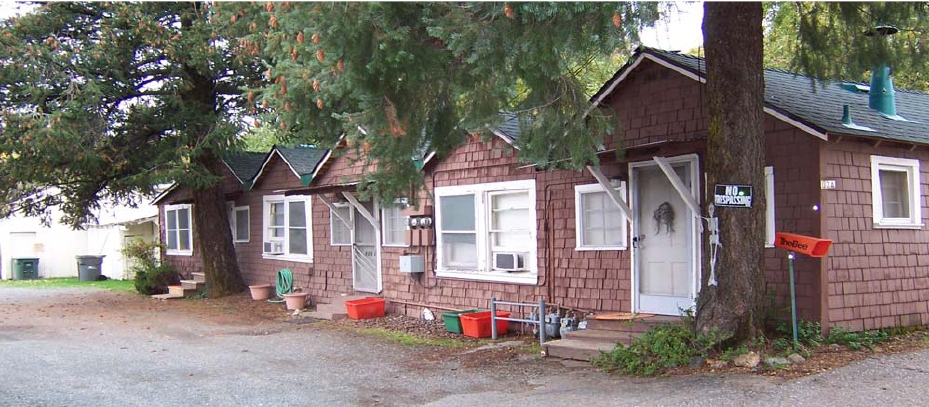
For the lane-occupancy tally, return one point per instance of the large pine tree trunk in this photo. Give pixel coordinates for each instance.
(735, 155)
(211, 220)
(211, 226)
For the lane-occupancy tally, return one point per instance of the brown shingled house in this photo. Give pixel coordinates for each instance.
(270, 230)
(496, 227)
(506, 230)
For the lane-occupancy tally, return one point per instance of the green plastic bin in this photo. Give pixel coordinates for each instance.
(25, 268)
(452, 320)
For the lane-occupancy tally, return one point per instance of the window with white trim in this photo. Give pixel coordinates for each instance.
(178, 236)
(600, 224)
(769, 206)
(238, 222)
(393, 226)
(340, 222)
(287, 227)
(895, 193)
(487, 231)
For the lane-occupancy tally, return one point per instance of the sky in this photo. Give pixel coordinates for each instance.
(682, 32)
(8, 9)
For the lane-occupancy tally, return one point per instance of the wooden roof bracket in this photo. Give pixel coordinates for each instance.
(361, 209)
(610, 191)
(333, 210)
(678, 185)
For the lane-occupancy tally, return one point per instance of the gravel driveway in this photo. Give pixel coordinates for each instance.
(75, 347)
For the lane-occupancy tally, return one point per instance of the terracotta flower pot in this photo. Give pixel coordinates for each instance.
(260, 291)
(295, 301)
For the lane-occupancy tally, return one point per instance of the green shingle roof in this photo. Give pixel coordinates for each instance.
(245, 164)
(302, 159)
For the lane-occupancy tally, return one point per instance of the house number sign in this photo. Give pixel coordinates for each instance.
(734, 196)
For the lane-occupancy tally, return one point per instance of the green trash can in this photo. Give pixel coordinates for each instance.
(88, 267)
(25, 268)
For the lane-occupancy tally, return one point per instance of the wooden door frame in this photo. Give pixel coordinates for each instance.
(374, 221)
(695, 252)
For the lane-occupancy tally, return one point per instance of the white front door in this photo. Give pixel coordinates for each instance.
(365, 264)
(664, 249)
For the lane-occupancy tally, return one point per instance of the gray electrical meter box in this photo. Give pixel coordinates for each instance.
(411, 264)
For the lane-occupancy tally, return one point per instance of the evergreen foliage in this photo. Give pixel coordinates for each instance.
(103, 100)
(834, 40)
(100, 100)
(402, 79)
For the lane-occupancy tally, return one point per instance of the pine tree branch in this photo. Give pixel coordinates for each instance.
(227, 89)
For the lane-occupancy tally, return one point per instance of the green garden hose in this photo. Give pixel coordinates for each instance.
(285, 284)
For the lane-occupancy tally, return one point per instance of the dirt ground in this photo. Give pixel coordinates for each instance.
(235, 308)
(262, 317)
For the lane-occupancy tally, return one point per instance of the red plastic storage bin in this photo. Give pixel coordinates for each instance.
(371, 307)
(477, 324)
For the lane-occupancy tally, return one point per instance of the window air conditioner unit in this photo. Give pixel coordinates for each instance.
(509, 261)
(274, 247)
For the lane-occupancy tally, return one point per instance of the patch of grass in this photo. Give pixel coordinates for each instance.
(809, 333)
(732, 353)
(113, 285)
(665, 347)
(855, 340)
(532, 348)
(413, 340)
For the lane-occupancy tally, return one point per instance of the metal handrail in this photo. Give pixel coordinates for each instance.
(540, 321)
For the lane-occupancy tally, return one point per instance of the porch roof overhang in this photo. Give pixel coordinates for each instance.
(323, 189)
(129, 222)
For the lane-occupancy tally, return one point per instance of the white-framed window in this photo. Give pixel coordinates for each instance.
(487, 232)
(287, 228)
(895, 193)
(393, 225)
(239, 223)
(178, 237)
(599, 223)
(769, 206)
(340, 225)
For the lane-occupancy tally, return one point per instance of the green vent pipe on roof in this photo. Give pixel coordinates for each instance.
(881, 96)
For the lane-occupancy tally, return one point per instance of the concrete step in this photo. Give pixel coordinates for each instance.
(597, 335)
(576, 349)
(637, 325)
(201, 277)
(167, 297)
(192, 285)
(179, 290)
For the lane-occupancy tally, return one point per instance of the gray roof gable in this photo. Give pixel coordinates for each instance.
(245, 164)
(509, 127)
(303, 160)
(819, 103)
